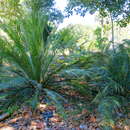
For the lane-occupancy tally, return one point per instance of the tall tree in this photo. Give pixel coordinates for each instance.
(117, 10)
(105, 7)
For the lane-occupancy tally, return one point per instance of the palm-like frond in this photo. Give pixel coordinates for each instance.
(28, 59)
(113, 84)
(108, 79)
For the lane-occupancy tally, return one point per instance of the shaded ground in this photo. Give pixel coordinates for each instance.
(46, 117)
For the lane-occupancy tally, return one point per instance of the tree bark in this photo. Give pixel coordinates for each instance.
(112, 31)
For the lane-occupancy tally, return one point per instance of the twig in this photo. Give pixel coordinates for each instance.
(4, 116)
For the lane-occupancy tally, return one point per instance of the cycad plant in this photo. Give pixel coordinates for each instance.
(112, 81)
(28, 60)
(105, 78)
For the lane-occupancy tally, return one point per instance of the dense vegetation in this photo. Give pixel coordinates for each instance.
(37, 59)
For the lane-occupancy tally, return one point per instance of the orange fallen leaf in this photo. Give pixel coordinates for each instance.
(82, 82)
(67, 105)
(33, 123)
(92, 119)
(3, 124)
(40, 125)
(27, 115)
(52, 108)
(56, 118)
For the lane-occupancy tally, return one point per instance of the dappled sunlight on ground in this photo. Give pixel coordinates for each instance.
(7, 128)
(47, 118)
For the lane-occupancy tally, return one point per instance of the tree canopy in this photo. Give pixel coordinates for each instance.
(47, 7)
(13, 8)
(118, 9)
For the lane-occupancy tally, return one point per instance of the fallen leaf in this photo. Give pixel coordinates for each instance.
(3, 124)
(82, 82)
(27, 115)
(33, 123)
(51, 108)
(40, 125)
(14, 120)
(92, 119)
(67, 105)
(56, 118)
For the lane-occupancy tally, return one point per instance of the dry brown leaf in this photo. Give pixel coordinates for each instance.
(51, 108)
(27, 115)
(55, 119)
(3, 124)
(82, 82)
(67, 105)
(40, 126)
(92, 119)
(14, 120)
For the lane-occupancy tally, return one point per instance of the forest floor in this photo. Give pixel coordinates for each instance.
(46, 117)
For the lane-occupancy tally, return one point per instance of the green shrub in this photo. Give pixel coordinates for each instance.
(29, 61)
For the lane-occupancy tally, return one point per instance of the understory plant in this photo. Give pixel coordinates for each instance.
(113, 85)
(28, 61)
(105, 79)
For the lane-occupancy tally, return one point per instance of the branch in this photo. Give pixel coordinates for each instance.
(4, 116)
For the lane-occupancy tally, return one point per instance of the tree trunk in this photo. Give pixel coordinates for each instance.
(112, 31)
(102, 29)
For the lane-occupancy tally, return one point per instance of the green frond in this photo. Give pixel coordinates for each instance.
(57, 100)
(108, 109)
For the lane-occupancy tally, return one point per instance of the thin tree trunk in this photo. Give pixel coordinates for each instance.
(112, 31)
(102, 29)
